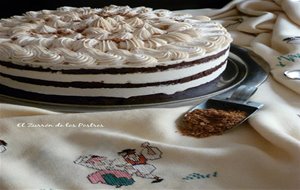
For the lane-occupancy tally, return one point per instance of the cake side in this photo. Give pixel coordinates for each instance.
(167, 80)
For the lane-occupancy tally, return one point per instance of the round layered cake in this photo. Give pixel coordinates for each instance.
(115, 52)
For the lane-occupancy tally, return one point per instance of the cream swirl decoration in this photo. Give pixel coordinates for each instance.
(112, 36)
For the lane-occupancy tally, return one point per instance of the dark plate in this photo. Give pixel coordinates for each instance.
(241, 68)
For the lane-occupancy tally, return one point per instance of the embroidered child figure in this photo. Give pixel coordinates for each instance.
(139, 161)
(3, 146)
(119, 171)
(110, 172)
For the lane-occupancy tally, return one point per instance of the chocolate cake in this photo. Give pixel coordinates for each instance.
(115, 52)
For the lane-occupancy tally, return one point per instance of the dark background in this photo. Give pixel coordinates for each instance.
(13, 7)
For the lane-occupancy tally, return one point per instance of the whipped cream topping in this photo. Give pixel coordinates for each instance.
(112, 36)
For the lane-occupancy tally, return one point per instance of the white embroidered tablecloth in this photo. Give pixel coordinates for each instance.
(143, 149)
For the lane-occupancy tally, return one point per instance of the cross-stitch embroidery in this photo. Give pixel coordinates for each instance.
(234, 23)
(287, 58)
(194, 176)
(3, 146)
(284, 59)
(120, 171)
(292, 40)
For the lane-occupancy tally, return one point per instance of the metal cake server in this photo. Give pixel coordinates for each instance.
(237, 98)
(237, 101)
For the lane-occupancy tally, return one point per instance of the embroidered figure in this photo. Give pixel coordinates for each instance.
(118, 172)
(139, 161)
(292, 40)
(3, 146)
(110, 172)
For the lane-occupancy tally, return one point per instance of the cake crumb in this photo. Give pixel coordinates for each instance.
(207, 122)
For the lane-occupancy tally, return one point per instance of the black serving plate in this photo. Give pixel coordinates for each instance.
(244, 67)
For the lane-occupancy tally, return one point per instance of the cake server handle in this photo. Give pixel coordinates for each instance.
(242, 93)
(241, 96)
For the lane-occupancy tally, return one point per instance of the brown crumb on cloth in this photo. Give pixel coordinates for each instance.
(207, 122)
